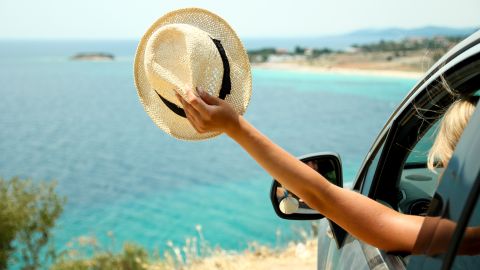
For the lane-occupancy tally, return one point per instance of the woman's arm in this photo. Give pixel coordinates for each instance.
(364, 218)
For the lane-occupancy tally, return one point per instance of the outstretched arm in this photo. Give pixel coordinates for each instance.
(362, 217)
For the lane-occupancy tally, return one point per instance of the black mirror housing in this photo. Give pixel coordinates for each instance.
(289, 206)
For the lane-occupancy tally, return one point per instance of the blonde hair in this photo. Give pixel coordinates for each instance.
(451, 128)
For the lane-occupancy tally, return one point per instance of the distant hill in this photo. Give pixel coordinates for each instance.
(357, 37)
(399, 33)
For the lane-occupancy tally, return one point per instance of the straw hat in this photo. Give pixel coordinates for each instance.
(185, 49)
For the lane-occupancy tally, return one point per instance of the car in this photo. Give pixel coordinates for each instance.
(394, 173)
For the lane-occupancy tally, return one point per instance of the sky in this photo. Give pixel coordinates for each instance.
(129, 19)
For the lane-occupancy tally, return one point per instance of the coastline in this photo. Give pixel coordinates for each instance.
(297, 67)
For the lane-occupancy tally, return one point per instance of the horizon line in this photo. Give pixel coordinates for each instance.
(475, 28)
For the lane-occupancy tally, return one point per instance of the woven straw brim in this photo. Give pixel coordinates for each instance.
(240, 74)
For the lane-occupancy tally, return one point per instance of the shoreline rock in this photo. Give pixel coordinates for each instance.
(93, 57)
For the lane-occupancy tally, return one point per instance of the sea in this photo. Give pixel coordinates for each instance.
(82, 125)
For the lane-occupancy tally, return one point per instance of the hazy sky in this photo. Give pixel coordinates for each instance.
(128, 19)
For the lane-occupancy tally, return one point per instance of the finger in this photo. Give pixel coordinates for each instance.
(183, 102)
(193, 116)
(197, 103)
(207, 98)
(188, 111)
(191, 119)
(179, 98)
(193, 122)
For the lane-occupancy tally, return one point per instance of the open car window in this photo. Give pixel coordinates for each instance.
(418, 155)
(417, 182)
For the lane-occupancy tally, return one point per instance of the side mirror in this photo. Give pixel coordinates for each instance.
(288, 205)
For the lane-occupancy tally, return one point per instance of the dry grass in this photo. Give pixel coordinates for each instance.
(301, 255)
(195, 254)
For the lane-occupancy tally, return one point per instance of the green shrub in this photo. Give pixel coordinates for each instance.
(132, 257)
(28, 212)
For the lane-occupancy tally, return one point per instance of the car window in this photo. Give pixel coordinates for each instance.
(418, 155)
(471, 261)
(418, 183)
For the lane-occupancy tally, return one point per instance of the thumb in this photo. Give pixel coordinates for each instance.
(210, 100)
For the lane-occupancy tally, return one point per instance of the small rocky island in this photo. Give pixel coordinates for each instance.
(93, 57)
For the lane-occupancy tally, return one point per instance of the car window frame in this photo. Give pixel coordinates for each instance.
(458, 53)
(370, 169)
(408, 127)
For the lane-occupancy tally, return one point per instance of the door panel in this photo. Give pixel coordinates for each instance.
(350, 256)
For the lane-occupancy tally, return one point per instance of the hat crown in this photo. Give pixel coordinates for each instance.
(179, 57)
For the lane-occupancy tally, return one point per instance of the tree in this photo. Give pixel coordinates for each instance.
(299, 50)
(28, 212)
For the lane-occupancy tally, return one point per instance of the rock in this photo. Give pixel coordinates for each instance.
(93, 57)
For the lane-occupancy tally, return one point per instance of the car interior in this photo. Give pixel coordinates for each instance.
(418, 183)
(403, 154)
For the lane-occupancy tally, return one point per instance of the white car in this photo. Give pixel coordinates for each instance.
(394, 173)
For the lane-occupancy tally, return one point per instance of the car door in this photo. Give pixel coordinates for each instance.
(381, 174)
(339, 250)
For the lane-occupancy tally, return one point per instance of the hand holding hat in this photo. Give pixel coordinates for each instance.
(190, 48)
(207, 113)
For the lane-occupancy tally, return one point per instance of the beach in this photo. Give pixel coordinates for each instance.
(409, 64)
(302, 67)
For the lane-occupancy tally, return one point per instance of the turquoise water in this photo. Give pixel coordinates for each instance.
(81, 123)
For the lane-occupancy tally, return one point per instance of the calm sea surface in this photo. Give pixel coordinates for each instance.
(81, 124)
